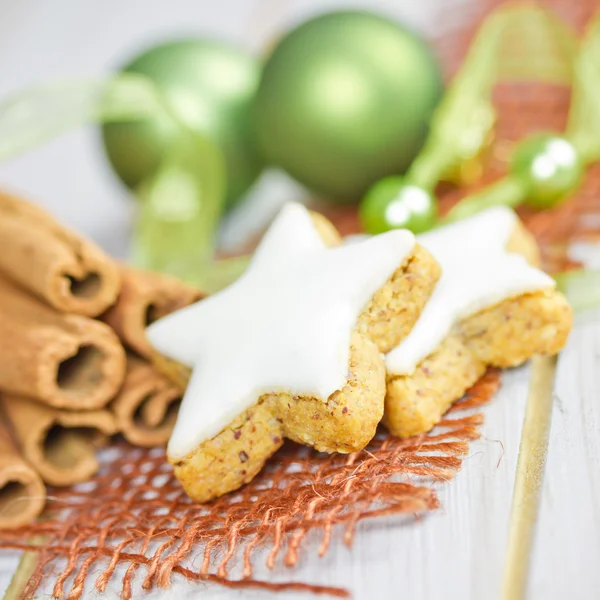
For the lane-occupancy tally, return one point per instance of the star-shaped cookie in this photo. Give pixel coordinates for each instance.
(489, 308)
(292, 349)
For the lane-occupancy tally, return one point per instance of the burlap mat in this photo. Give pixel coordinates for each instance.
(134, 511)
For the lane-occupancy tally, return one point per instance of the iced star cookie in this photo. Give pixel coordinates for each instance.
(293, 349)
(491, 307)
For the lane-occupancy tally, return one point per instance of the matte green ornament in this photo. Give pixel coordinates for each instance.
(392, 203)
(208, 87)
(549, 168)
(345, 99)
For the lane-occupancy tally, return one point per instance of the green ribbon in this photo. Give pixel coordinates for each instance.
(515, 43)
(583, 127)
(182, 201)
(577, 65)
(581, 287)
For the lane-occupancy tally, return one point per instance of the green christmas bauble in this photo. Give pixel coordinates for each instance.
(209, 86)
(549, 168)
(392, 203)
(345, 100)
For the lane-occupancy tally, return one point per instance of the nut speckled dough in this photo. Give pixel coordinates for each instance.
(504, 335)
(389, 318)
(345, 422)
(508, 334)
(396, 306)
(326, 229)
(522, 242)
(415, 404)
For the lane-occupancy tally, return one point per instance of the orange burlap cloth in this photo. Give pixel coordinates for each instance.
(135, 512)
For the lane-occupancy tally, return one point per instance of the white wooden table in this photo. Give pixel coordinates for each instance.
(457, 552)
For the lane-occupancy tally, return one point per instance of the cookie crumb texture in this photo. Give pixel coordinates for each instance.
(345, 423)
(396, 306)
(504, 335)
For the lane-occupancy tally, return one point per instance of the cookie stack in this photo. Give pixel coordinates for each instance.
(319, 344)
(73, 357)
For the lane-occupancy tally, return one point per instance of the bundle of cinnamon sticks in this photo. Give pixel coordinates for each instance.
(74, 359)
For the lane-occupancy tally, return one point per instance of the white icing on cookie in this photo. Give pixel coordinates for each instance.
(285, 325)
(477, 272)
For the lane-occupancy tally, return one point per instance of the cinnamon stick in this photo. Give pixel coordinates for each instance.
(60, 445)
(67, 361)
(146, 407)
(22, 493)
(70, 273)
(144, 298)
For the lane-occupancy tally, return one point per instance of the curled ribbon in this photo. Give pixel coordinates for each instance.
(182, 201)
(522, 42)
(516, 43)
(577, 65)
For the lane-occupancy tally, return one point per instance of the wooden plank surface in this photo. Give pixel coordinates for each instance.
(459, 551)
(566, 563)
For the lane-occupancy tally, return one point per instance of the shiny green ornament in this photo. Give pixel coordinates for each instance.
(549, 168)
(392, 203)
(208, 86)
(345, 99)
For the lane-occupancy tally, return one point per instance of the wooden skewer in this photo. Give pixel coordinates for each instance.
(26, 568)
(529, 477)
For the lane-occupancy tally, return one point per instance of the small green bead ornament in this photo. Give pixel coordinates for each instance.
(394, 203)
(549, 168)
